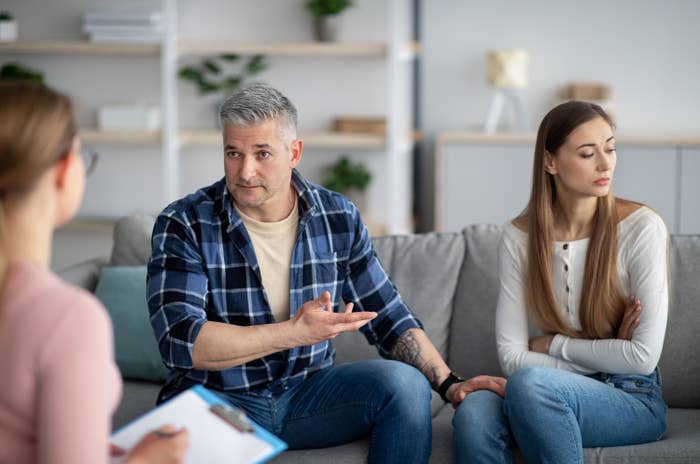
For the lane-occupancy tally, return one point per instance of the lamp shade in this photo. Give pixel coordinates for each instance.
(508, 68)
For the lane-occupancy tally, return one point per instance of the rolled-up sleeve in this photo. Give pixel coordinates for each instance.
(177, 290)
(371, 289)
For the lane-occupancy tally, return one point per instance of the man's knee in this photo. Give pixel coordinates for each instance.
(403, 385)
(476, 409)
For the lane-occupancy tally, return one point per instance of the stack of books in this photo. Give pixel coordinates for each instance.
(123, 26)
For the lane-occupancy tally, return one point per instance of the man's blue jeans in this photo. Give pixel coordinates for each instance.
(552, 414)
(389, 401)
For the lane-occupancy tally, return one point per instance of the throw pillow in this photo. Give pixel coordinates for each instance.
(122, 290)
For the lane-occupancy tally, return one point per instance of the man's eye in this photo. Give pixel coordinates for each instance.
(232, 154)
(265, 154)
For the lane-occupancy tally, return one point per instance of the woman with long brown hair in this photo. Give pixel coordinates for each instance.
(581, 312)
(59, 382)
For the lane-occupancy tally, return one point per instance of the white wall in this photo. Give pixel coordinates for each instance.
(648, 51)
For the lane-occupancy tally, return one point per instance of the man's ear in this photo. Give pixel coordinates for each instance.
(296, 149)
(550, 164)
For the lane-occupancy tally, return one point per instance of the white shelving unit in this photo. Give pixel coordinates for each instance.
(392, 166)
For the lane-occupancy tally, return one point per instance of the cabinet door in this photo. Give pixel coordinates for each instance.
(483, 184)
(649, 175)
(690, 191)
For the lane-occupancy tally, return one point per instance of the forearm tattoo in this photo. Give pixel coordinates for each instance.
(408, 350)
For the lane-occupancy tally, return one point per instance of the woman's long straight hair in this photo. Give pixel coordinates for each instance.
(37, 127)
(602, 305)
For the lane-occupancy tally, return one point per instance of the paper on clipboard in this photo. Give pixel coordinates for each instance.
(212, 440)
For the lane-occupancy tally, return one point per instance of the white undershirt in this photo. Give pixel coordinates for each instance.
(642, 268)
(273, 243)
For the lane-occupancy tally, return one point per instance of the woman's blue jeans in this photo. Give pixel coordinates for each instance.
(552, 414)
(387, 401)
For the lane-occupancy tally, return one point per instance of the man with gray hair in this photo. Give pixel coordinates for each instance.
(251, 277)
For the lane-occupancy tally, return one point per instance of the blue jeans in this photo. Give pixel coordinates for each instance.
(552, 414)
(388, 401)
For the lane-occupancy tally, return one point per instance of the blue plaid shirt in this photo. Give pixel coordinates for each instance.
(203, 268)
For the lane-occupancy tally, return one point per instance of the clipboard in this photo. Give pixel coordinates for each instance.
(218, 432)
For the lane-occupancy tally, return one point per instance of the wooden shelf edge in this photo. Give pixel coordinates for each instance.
(311, 139)
(319, 49)
(78, 47)
(126, 137)
(518, 138)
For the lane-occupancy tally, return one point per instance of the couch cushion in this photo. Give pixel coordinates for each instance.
(472, 337)
(681, 355)
(122, 289)
(132, 240)
(424, 269)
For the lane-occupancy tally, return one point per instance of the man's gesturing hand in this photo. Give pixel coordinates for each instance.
(315, 321)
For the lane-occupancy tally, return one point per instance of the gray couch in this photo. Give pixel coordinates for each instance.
(450, 281)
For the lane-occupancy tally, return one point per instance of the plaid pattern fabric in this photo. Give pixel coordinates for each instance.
(203, 268)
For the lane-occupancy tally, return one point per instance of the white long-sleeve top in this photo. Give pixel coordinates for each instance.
(642, 262)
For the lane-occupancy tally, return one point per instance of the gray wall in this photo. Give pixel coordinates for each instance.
(648, 51)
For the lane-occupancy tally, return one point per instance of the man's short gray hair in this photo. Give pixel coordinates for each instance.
(259, 103)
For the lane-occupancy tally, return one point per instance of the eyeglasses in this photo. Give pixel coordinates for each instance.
(90, 157)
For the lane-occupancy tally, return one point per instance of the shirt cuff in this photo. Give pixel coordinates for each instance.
(556, 348)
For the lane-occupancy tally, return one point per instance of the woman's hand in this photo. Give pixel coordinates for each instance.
(167, 445)
(630, 320)
(541, 344)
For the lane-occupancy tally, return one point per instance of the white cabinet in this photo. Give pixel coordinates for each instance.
(649, 175)
(486, 179)
(367, 72)
(690, 191)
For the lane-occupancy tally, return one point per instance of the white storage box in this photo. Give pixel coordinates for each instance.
(128, 117)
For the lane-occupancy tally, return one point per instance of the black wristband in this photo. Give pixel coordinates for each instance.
(447, 383)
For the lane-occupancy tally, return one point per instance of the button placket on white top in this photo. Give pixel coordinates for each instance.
(566, 258)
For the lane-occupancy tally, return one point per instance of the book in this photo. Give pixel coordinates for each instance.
(214, 437)
(367, 125)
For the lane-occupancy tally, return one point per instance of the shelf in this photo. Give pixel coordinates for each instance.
(78, 47)
(529, 138)
(311, 139)
(316, 49)
(121, 137)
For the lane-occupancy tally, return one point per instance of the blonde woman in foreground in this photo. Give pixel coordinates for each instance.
(59, 381)
(590, 272)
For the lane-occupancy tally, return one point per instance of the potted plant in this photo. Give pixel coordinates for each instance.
(18, 71)
(326, 15)
(8, 27)
(218, 75)
(349, 178)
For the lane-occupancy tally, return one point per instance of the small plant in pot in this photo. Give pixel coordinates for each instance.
(218, 74)
(8, 27)
(349, 178)
(326, 14)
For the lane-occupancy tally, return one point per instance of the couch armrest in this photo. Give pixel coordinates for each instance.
(84, 274)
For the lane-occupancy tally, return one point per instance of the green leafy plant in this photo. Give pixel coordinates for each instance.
(6, 16)
(327, 7)
(215, 74)
(18, 71)
(344, 175)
